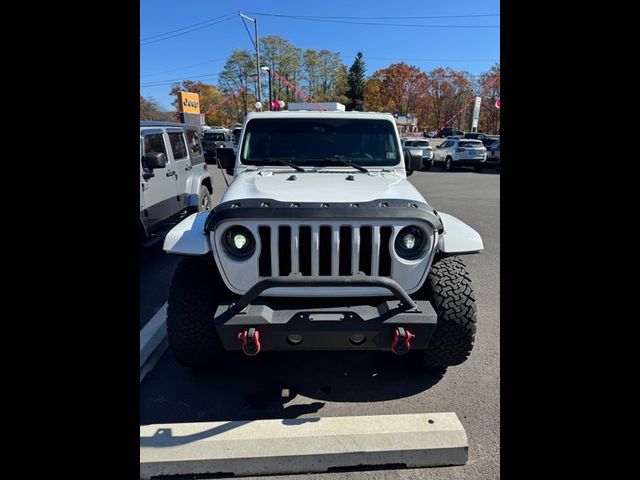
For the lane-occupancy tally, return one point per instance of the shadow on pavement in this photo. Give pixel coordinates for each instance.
(245, 388)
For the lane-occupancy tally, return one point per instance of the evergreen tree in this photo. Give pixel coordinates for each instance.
(355, 81)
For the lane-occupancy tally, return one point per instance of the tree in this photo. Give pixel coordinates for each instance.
(238, 76)
(279, 54)
(400, 89)
(373, 100)
(355, 82)
(150, 109)
(489, 85)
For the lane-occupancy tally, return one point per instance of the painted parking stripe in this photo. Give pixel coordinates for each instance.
(153, 334)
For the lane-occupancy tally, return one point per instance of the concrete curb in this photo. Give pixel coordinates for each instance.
(152, 336)
(302, 445)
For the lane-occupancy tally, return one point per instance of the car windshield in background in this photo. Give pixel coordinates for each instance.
(471, 144)
(214, 137)
(320, 141)
(419, 144)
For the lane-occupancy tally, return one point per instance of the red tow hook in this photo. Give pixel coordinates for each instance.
(401, 341)
(250, 341)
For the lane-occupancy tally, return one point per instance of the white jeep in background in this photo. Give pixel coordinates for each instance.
(173, 175)
(321, 243)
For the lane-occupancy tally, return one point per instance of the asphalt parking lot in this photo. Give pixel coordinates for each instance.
(311, 384)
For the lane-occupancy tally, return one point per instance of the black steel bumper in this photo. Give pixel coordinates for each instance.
(325, 323)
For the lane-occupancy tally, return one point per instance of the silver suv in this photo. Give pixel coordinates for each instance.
(173, 174)
(460, 152)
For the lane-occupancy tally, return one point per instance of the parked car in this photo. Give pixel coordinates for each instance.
(321, 243)
(217, 138)
(173, 174)
(460, 152)
(427, 150)
(485, 139)
(448, 132)
(493, 154)
(236, 135)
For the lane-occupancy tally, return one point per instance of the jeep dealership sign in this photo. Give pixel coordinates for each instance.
(189, 102)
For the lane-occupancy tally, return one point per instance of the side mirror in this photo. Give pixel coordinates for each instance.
(413, 159)
(226, 158)
(210, 157)
(154, 160)
(147, 174)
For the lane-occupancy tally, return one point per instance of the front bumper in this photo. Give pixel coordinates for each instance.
(325, 324)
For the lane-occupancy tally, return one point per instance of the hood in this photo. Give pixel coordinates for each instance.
(322, 186)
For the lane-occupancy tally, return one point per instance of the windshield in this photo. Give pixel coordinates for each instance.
(316, 141)
(214, 137)
(419, 143)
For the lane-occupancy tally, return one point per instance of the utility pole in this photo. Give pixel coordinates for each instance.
(257, 45)
(268, 69)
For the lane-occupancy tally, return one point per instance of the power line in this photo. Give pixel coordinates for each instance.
(184, 28)
(248, 33)
(182, 68)
(174, 80)
(376, 18)
(326, 20)
(185, 32)
(434, 59)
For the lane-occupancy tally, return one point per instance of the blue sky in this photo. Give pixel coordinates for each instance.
(471, 49)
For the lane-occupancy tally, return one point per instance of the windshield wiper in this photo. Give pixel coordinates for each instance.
(282, 161)
(341, 160)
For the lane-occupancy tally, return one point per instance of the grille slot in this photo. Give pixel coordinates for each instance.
(284, 250)
(385, 255)
(325, 251)
(304, 250)
(264, 262)
(345, 251)
(366, 248)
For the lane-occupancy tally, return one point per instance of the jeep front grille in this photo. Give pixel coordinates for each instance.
(324, 250)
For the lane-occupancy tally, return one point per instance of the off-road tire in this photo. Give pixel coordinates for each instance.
(204, 194)
(194, 294)
(451, 294)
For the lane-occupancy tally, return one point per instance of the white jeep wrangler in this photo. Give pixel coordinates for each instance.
(321, 243)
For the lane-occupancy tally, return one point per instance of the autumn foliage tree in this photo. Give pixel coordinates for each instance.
(150, 109)
(399, 89)
(489, 85)
(438, 97)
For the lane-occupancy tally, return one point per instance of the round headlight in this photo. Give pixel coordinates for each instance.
(239, 242)
(411, 242)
